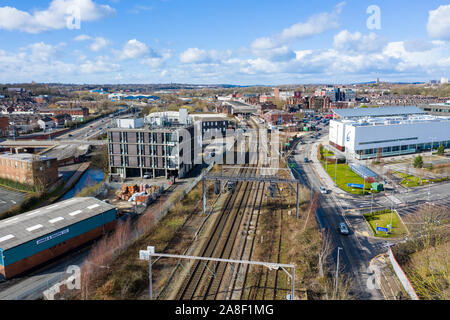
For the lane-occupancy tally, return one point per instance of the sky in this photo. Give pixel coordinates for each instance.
(241, 42)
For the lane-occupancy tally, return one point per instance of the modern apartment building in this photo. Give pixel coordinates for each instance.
(153, 150)
(29, 169)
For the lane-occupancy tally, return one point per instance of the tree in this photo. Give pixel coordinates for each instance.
(418, 162)
(441, 150)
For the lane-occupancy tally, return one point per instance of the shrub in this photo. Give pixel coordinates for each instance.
(418, 162)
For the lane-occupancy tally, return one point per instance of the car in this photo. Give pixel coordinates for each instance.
(70, 135)
(343, 229)
(323, 190)
(306, 160)
(146, 176)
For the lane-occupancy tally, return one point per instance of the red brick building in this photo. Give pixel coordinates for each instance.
(4, 126)
(29, 169)
(275, 117)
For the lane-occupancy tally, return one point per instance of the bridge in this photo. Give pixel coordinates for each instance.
(49, 143)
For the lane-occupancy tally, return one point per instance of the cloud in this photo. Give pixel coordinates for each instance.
(55, 17)
(276, 54)
(99, 43)
(134, 49)
(82, 37)
(346, 41)
(140, 8)
(156, 60)
(99, 65)
(194, 55)
(316, 24)
(197, 56)
(438, 26)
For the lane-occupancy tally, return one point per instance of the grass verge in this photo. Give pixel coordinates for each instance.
(383, 219)
(345, 175)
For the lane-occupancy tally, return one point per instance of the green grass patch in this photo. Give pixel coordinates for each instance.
(382, 219)
(17, 185)
(345, 175)
(411, 181)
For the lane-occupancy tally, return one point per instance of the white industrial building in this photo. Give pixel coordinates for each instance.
(373, 135)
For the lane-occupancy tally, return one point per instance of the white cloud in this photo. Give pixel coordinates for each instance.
(99, 43)
(53, 18)
(438, 26)
(316, 24)
(100, 65)
(357, 42)
(197, 56)
(157, 60)
(194, 55)
(134, 49)
(82, 37)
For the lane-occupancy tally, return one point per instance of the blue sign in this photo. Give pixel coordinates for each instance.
(382, 229)
(355, 185)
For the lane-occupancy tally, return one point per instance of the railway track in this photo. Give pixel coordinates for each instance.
(205, 279)
(215, 245)
(265, 285)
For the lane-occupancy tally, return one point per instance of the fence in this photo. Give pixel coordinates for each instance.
(402, 276)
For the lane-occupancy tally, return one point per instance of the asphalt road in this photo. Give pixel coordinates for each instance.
(356, 251)
(9, 199)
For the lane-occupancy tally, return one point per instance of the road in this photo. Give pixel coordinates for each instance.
(359, 248)
(9, 198)
(357, 251)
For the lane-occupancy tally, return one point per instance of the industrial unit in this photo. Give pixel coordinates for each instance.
(374, 135)
(32, 238)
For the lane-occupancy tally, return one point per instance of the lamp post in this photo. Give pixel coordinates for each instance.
(337, 274)
(431, 163)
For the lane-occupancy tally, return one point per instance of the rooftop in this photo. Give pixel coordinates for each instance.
(24, 157)
(153, 128)
(378, 112)
(411, 119)
(32, 225)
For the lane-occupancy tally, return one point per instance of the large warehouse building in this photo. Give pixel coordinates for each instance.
(373, 135)
(32, 238)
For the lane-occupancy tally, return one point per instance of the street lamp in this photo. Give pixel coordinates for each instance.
(337, 274)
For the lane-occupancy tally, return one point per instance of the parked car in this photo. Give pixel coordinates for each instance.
(323, 190)
(306, 160)
(343, 229)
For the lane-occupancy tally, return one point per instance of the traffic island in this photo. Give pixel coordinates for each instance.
(386, 224)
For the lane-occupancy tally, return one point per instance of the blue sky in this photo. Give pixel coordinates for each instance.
(241, 42)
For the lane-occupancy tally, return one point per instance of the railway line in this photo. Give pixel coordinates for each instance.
(228, 239)
(205, 278)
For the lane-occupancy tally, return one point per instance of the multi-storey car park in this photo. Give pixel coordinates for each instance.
(30, 239)
(374, 133)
